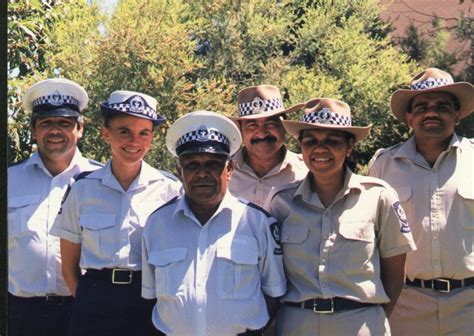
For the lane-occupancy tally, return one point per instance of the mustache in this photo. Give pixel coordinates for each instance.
(268, 138)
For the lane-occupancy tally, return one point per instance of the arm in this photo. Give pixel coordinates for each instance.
(273, 305)
(70, 255)
(393, 278)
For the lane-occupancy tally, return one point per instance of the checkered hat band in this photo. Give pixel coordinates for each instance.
(53, 100)
(197, 136)
(268, 105)
(125, 107)
(327, 118)
(431, 83)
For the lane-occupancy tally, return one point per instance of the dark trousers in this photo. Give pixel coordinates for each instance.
(39, 316)
(102, 308)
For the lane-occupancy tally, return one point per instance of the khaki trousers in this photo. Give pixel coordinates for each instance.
(424, 312)
(294, 321)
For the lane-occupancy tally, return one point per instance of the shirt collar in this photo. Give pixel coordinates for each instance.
(183, 207)
(351, 182)
(78, 161)
(408, 148)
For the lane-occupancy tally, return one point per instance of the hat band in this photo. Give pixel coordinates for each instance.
(431, 83)
(202, 135)
(128, 108)
(326, 117)
(56, 99)
(258, 105)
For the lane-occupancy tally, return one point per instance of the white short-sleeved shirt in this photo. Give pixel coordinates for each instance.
(210, 280)
(108, 221)
(34, 199)
(439, 203)
(336, 251)
(245, 183)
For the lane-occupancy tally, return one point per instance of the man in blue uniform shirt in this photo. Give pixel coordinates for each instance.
(39, 301)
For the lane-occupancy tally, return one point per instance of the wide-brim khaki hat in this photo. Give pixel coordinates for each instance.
(433, 80)
(261, 101)
(326, 113)
(203, 132)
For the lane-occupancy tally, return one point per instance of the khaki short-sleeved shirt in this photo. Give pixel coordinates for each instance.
(209, 280)
(246, 184)
(439, 203)
(336, 251)
(108, 221)
(34, 199)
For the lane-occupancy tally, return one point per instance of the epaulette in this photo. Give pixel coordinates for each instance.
(81, 175)
(17, 163)
(286, 186)
(255, 206)
(168, 175)
(381, 151)
(171, 201)
(95, 163)
(374, 180)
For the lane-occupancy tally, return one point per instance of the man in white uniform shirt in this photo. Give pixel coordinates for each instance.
(212, 261)
(39, 301)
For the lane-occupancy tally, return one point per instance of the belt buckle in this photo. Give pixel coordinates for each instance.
(315, 308)
(446, 281)
(121, 282)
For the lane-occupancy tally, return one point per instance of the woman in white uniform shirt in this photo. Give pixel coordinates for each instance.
(101, 223)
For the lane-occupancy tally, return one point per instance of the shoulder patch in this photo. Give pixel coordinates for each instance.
(255, 206)
(171, 201)
(275, 229)
(82, 175)
(402, 217)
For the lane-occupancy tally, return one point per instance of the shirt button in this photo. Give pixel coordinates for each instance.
(435, 237)
(436, 262)
(324, 285)
(323, 260)
(285, 237)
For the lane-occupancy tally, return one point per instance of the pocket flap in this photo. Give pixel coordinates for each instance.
(21, 201)
(362, 230)
(166, 257)
(294, 233)
(466, 191)
(97, 221)
(239, 248)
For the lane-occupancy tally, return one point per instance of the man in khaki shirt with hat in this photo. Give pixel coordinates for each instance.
(264, 162)
(433, 175)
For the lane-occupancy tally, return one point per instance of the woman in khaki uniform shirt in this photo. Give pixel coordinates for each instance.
(344, 236)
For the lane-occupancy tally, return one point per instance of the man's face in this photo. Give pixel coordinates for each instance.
(205, 177)
(433, 115)
(57, 137)
(262, 137)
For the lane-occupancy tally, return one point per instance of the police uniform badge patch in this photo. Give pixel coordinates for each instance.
(137, 104)
(56, 99)
(402, 217)
(275, 230)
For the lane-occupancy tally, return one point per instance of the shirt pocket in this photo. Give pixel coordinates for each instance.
(362, 230)
(169, 270)
(294, 233)
(238, 275)
(23, 212)
(466, 211)
(99, 234)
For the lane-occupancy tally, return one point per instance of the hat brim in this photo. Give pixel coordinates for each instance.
(107, 112)
(294, 128)
(59, 112)
(186, 124)
(204, 147)
(269, 114)
(464, 91)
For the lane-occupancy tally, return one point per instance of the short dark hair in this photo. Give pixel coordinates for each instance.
(454, 99)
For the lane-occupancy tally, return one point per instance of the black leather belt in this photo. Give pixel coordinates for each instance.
(117, 276)
(49, 299)
(440, 285)
(327, 306)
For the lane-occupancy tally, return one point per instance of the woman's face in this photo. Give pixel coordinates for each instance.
(129, 138)
(324, 151)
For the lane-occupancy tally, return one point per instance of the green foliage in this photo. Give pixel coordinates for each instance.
(198, 55)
